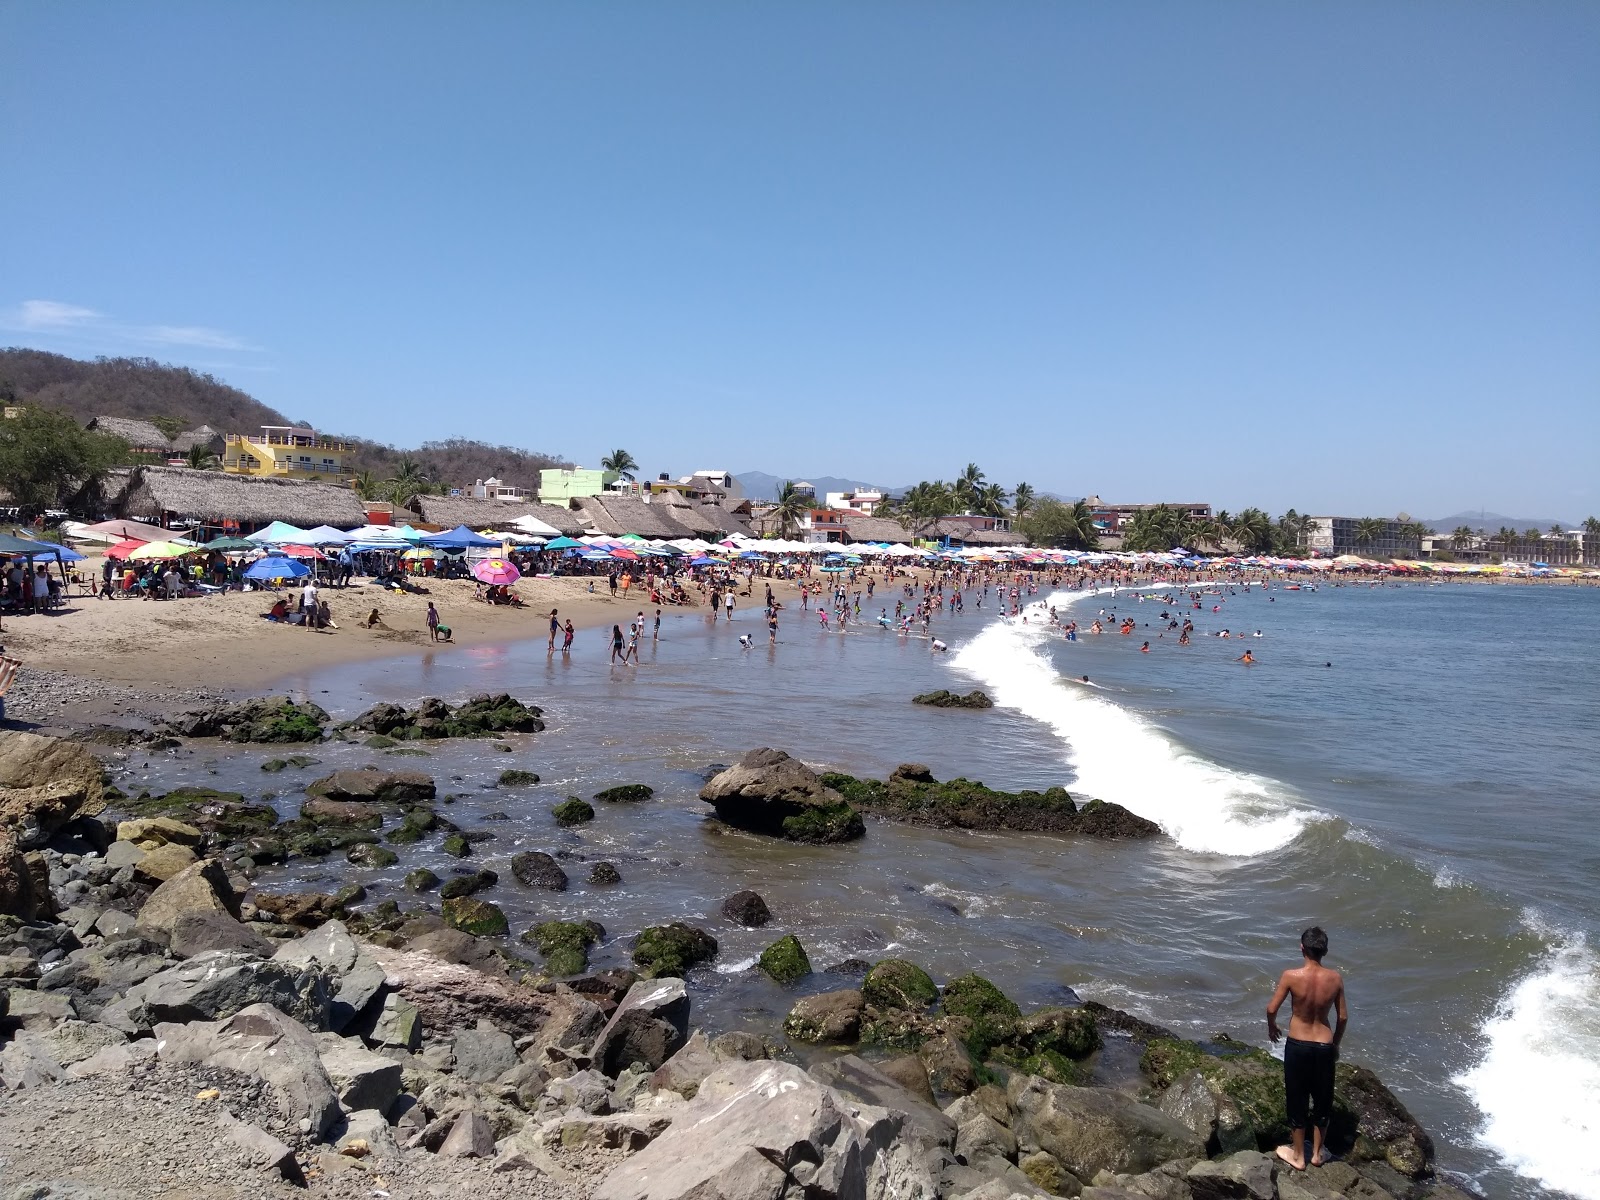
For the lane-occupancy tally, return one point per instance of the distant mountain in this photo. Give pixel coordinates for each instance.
(1492, 521)
(758, 485)
(177, 398)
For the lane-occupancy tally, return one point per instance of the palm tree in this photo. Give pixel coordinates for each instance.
(1252, 529)
(1556, 531)
(1530, 535)
(367, 486)
(1022, 500)
(1369, 530)
(991, 500)
(621, 462)
(924, 503)
(1507, 538)
(407, 482)
(1462, 537)
(1591, 525)
(200, 458)
(791, 508)
(969, 486)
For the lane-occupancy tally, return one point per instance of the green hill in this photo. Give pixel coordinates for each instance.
(178, 398)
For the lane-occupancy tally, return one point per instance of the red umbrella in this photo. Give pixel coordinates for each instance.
(303, 552)
(621, 552)
(124, 548)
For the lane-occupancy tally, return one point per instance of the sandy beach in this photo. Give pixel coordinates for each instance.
(222, 642)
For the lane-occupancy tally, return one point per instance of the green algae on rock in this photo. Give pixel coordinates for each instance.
(573, 811)
(785, 960)
(477, 917)
(672, 949)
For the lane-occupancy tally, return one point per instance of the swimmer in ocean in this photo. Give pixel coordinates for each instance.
(1246, 658)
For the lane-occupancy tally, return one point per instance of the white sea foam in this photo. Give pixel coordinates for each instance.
(735, 968)
(1119, 756)
(1538, 1084)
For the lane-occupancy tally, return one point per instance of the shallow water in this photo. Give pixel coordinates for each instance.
(1426, 798)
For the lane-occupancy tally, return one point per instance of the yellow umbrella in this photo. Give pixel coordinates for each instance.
(419, 554)
(160, 550)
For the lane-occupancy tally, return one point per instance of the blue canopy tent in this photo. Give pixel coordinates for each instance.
(68, 554)
(459, 538)
(276, 567)
(280, 533)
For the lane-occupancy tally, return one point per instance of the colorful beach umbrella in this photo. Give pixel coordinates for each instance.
(158, 550)
(495, 571)
(125, 548)
(563, 543)
(276, 566)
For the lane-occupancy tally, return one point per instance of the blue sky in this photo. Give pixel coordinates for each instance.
(1344, 257)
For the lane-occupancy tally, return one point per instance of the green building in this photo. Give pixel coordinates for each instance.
(557, 484)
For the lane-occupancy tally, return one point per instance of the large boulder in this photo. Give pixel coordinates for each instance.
(44, 783)
(948, 699)
(865, 1082)
(264, 719)
(262, 1042)
(672, 949)
(1095, 1129)
(767, 1129)
(481, 716)
(198, 889)
(746, 908)
(220, 983)
(536, 869)
(649, 1026)
(374, 786)
(769, 792)
(826, 1017)
(360, 983)
(18, 897)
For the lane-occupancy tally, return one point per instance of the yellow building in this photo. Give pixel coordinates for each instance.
(285, 452)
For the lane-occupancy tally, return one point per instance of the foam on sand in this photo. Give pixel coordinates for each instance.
(1538, 1083)
(1120, 756)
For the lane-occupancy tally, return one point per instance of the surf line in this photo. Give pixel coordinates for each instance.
(1120, 756)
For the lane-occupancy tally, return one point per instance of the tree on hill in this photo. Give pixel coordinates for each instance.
(48, 460)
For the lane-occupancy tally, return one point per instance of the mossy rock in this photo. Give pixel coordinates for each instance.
(1071, 1032)
(378, 742)
(410, 752)
(309, 845)
(372, 857)
(573, 811)
(267, 850)
(273, 765)
(824, 824)
(456, 846)
(913, 796)
(421, 880)
(895, 983)
(350, 893)
(785, 960)
(516, 778)
(603, 874)
(948, 699)
(467, 885)
(424, 819)
(625, 792)
(477, 917)
(403, 835)
(672, 949)
(564, 945)
(993, 1014)
(282, 721)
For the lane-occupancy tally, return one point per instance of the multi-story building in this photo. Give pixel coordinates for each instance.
(285, 452)
(557, 485)
(1329, 537)
(862, 500)
(1110, 518)
(496, 489)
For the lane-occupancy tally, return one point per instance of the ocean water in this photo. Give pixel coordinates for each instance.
(1411, 767)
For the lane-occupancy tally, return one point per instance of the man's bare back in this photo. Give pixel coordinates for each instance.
(1313, 1049)
(1314, 990)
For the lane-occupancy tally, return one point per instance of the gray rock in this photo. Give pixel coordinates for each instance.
(114, 925)
(1245, 1175)
(587, 1090)
(73, 1041)
(470, 1137)
(26, 1062)
(372, 1127)
(949, 1066)
(361, 1078)
(220, 983)
(536, 869)
(123, 854)
(198, 933)
(862, 1081)
(263, 1042)
(115, 1060)
(38, 1011)
(648, 1026)
(398, 1025)
(200, 888)
(1092, 1129)
(267, 1151)
(826, 1017)
(361, 981)
(483, 1054)
(768, 1129)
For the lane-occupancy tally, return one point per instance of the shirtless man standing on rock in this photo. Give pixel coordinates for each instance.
(1313, 1047)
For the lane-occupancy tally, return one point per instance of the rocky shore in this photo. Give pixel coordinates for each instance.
(168, 1026)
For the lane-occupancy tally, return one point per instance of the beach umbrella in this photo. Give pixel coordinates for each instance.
(230, 543)
(276, 566)
(278, 533)
(123, 549)
(68, 554)
(703, 561)
(562, 543)
(304, 552)
(158, 550)
(458, 538)
(327, 535)
(419, 554)
(495, 570)
(624, 553)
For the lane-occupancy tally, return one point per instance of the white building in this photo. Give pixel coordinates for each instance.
(863, 500)
(496, 489)
(722, 481)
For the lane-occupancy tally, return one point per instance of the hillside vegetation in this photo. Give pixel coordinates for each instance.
(178, 398)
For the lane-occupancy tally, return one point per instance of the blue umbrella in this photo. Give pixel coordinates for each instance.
(276, 566)
(60, 553)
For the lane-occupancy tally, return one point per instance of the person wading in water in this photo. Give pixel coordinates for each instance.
(1313, 1047)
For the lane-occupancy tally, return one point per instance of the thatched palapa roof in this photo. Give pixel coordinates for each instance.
(618, 515)
(213, 496)
(877, 529)
(969, 536)
(450, 511)
(139, 434)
